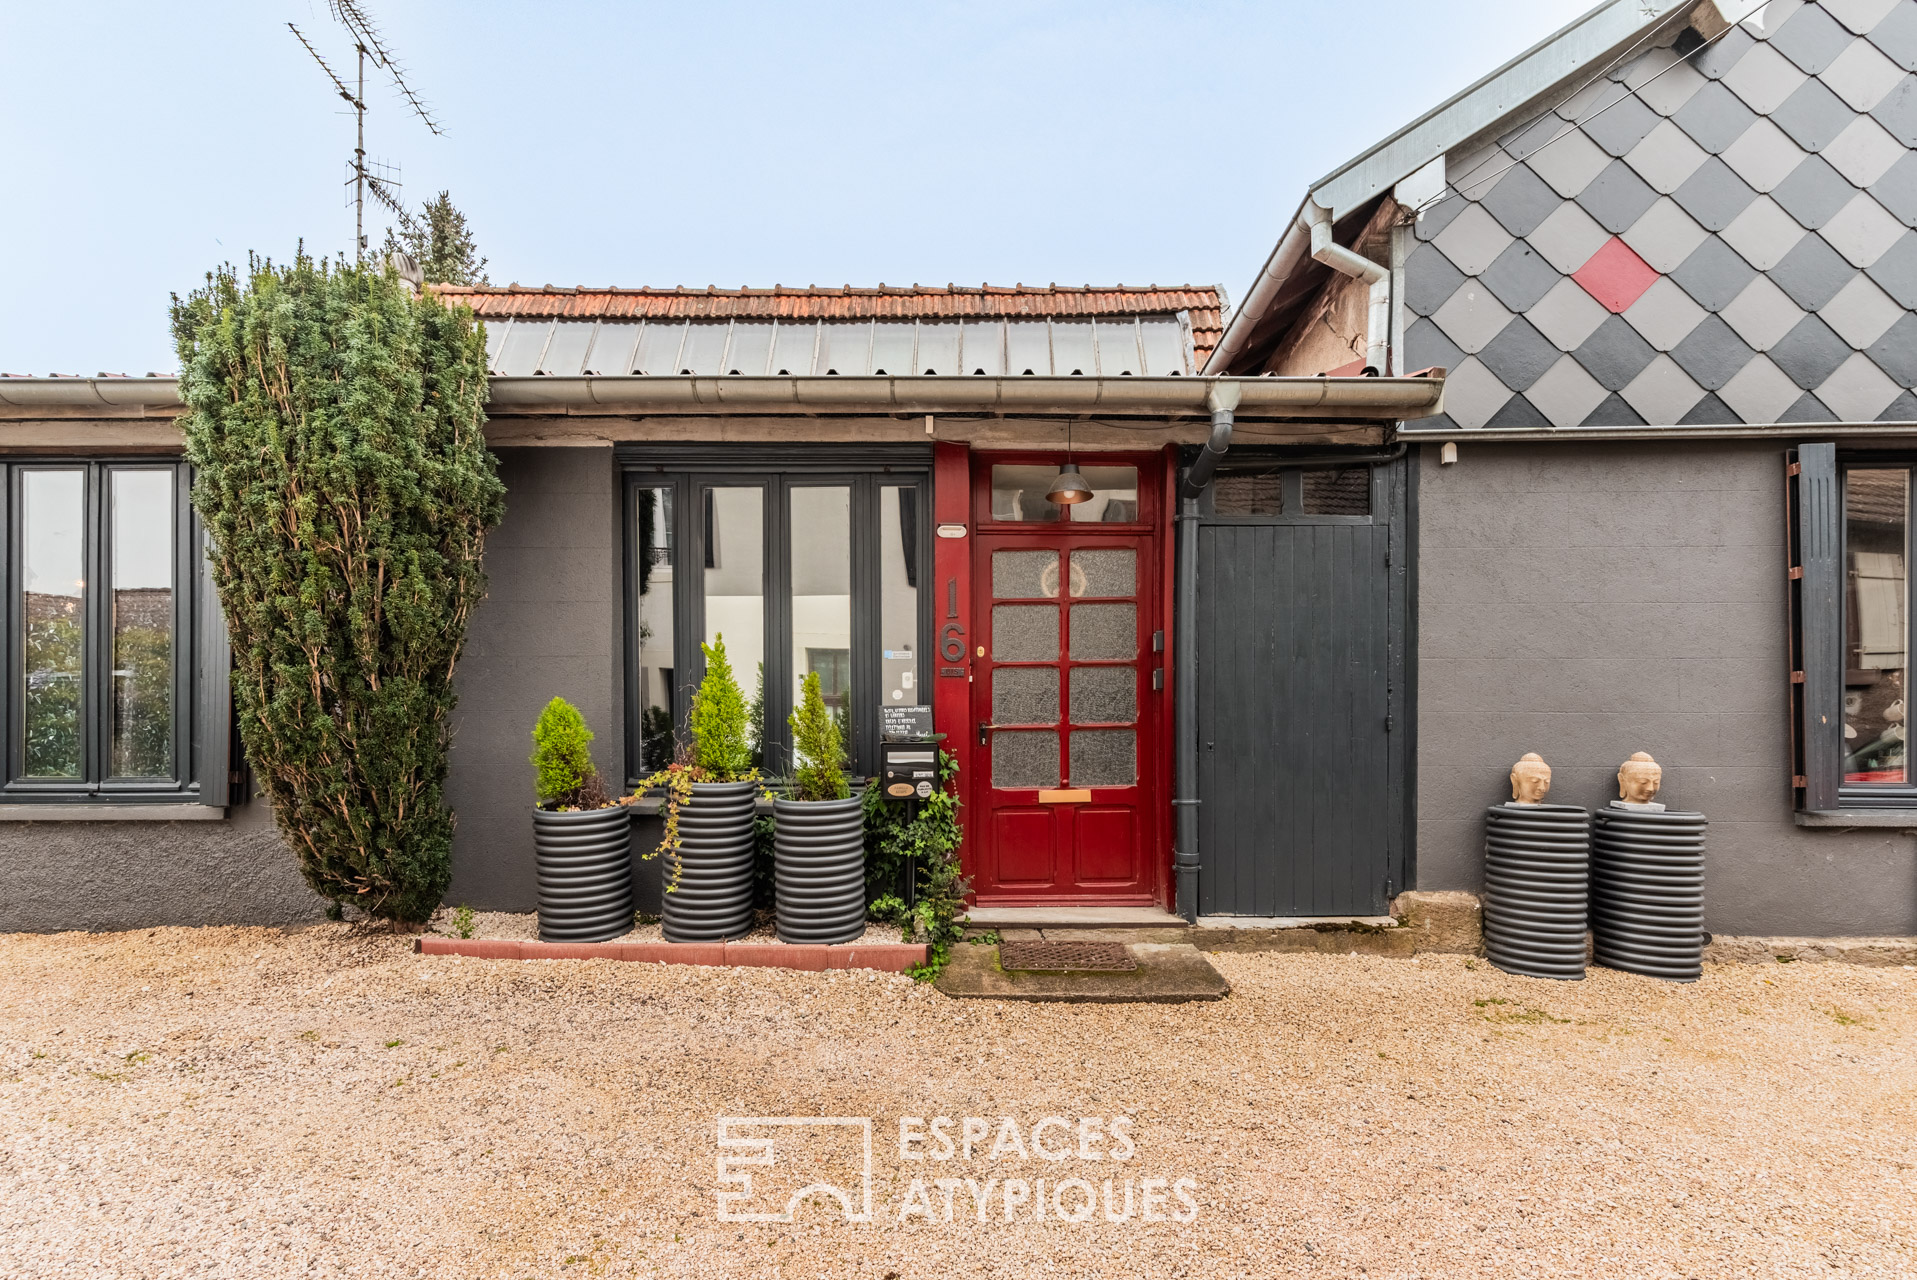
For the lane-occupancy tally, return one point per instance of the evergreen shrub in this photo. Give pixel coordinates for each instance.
(816, 743)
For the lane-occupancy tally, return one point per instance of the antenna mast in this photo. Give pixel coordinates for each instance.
(367, 44)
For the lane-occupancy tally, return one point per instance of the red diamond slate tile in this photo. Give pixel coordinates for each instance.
(1897, 112)
(1814, 116)
(1863, 152)
(1862, 75)
(1615, 275)
(1896, 35)
(1812, 39)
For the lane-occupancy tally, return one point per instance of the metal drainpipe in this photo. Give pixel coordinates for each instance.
(1358, 267)
(1224, 403)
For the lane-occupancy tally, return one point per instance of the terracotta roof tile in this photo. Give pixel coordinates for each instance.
(849, 303)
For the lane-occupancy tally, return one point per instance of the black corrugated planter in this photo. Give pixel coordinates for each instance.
(709, 877)
(1537, 860)
(584, 863)
(818, 864)
(1647, 892)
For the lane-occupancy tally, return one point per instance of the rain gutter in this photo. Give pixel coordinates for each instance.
(1364, 398)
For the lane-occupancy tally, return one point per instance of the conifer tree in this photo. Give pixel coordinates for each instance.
(441, 243)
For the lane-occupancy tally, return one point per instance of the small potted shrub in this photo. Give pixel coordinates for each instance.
(582, 840)
(709, 840)
(818, 843)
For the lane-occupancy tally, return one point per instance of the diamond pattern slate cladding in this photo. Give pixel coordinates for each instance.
(1622, 126)
(1902, 409)
(1613, 411)
(1714, 117)
(1528, 138)
(1518, 412)
(1714, 275)
(1761, 392)
(1520, 276)
(1566, 394)
(1425, 346)
(1814, 116)
(1896, 272)
(1712, 354)
(1520, 200)
(1567, 315)
(1897, 189)
(1809, 353)
(1761, 314)
(1861, 312)
(1664, 314)
(1615, 353)
(1723, 53)
(1863, 152)
(1473, 240)
(1519, 355)
(1898, 112)
(1763, 78)
(1569, 163)
(1429, 278)
(1896, 352)
(1812, 273)
(1617, 197)
(1896, 35)
(1435, 217)
(1665, 235)
(1568, 238)
(1710, 412)
(1763, 157)
(1859, 15)
(1861, 76)
(1811, 38)
(1863, 231)
(1813, 193)
(1663, 393)
(1714, 195)
(1763, 233)
(1808, 408)
(1666, 157)
(1858, 391)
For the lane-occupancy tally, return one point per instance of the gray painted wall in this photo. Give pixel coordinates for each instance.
(137, 875)
(549, 627)
(1588, 601)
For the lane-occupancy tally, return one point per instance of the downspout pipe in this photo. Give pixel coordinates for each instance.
(1358, 267)
(1223, 403)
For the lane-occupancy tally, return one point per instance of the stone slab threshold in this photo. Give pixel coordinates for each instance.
(887, 957)
(1167, 973)
(1072, 918)
(1728, 949)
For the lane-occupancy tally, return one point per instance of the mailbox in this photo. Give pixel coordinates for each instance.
(908, 770)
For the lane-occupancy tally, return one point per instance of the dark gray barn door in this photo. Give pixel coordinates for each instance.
(1300, 645)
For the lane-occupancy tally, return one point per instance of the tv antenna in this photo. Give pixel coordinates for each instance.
(374, 179)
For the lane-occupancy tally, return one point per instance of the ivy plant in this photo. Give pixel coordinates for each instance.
(924, 834)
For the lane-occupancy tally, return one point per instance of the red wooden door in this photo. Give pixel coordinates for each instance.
(1065, 712)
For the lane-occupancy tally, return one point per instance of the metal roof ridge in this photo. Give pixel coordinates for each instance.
(846, 290)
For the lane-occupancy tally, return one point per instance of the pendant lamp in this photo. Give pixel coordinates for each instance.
(1070, 487)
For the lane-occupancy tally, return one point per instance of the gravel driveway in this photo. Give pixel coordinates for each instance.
(256, 1103)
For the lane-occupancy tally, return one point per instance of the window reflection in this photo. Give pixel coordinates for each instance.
(657, 661)
(822, 596)
(735, 589)
(1018, 494)
(142, 555)
(52, 513)
(1876, 513)
(899, 594)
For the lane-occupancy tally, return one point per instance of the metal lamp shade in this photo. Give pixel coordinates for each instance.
(1069, 488)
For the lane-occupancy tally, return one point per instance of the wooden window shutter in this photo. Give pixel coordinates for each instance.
(1814, 544)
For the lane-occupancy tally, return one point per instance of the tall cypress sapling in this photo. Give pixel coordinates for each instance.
(334, 422)
(816, 743)
(721, 743)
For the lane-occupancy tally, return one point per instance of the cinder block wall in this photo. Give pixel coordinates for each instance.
(1588, 601)
(549, 627)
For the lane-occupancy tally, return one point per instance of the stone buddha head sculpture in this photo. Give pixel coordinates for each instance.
(1639, 778)
(1530, 779)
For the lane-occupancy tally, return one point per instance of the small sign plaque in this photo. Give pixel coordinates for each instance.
(899, 724)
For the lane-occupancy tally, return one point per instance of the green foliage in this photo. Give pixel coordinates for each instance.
(463, 922)
(718, 721)
(52, 703)
(334, 421)
(816, 743)
(440, 242)
(562, 754)
(895, 838)
(886, 909)
(143, 702)
(755, 720)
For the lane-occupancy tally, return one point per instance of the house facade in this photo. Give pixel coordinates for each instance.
(1667, 259)
(1576, 417)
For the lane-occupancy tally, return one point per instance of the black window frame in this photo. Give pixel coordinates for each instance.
(689, 471)
(201, 729)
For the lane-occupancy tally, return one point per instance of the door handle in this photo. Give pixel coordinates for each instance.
(984, 729)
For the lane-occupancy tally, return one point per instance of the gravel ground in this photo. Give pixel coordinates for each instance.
(249, 1102)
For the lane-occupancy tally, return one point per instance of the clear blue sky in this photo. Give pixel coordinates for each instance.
(712, 143)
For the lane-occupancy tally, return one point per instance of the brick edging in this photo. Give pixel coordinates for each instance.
(889, 957)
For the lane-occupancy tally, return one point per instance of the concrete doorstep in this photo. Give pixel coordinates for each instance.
(1167, 973)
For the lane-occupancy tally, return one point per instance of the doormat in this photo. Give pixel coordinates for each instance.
(1065, 957)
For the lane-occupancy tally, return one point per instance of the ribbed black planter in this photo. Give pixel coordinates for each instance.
(1647, 892)
(818, 865)
(584, 865)
(713, 865)
(1537, 860)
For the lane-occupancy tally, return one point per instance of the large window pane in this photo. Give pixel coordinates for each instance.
(1876, 515)
(657, 661)
(1018, 493)
(735, 584)
(52, 556)
(142, 559)
(899, 593)
(821, 548)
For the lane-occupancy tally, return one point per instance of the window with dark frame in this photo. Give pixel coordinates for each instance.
(821, 571)
(102, 639)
